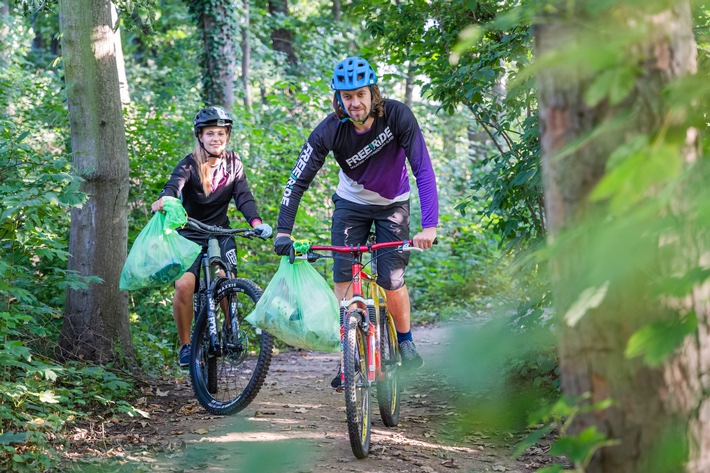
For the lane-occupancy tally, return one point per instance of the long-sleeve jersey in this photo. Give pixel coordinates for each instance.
(372, 164)
(229, 182)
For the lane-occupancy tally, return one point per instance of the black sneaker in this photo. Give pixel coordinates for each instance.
(410, 357)
(185, 356)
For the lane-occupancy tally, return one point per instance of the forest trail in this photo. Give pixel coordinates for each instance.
(297, 424)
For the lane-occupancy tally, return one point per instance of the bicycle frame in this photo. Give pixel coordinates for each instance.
(212, 262)
(370, 325)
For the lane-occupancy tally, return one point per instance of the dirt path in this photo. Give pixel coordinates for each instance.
(297, 424)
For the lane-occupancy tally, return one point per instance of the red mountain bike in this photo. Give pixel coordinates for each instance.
(370, 352)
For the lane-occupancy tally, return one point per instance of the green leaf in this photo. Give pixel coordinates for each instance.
(655, 342)
(637, 175)
(590, 298)
(13, 437)
(581, 447)
(614, 84)
(599, 89)
(682, 285)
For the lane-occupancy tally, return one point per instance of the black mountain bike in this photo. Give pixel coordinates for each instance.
(229, 358)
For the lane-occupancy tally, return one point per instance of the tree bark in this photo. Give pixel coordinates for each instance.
(217, 22)
(96, 325)
(282, 38)
(120, 61)
(336, 10)
(409, 86)
(576, 141)
(246, 58)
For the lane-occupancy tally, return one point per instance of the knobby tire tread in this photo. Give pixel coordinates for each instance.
(388, 390)
(358, 416)
(253, 291)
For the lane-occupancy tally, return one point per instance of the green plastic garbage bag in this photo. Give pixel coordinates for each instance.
(299, 308)
(160, 255)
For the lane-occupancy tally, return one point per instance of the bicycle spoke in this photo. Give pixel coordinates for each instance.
(226, 378)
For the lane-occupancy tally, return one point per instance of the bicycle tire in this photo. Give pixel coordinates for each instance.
(388, 389)
(228, 381)
(357, 393)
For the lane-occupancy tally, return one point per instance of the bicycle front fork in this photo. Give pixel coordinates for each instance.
(369, 328)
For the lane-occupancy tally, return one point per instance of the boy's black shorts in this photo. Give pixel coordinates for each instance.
(351, 226)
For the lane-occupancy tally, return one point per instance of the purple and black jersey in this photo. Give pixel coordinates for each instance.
(372, 164)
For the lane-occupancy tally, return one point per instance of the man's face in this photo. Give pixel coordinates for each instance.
(357, 102)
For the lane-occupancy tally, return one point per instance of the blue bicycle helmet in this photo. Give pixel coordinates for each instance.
(352, 73)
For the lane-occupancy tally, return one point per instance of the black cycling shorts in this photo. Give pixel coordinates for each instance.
(351, 226)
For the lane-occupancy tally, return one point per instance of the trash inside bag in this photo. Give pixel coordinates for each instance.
(299, 308)
(159, 254)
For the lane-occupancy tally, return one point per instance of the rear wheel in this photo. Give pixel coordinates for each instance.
(357, 393)
(388, 388)
(226, 378)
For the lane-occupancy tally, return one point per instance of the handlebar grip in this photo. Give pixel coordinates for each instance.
(291, 255)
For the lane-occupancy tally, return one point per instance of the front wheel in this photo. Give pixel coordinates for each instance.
(357, 391)
(226, 378)
(388, 386)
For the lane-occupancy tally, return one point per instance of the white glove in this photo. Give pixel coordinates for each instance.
(264, 230)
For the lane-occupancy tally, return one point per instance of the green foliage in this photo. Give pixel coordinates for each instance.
(657, 341)
(470, 52)
(578, 448)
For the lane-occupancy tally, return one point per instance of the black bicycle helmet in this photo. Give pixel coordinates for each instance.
(212, 116)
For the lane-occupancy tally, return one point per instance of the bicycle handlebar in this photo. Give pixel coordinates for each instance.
(215, 230)
(355, 250)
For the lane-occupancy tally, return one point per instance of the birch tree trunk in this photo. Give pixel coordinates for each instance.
(652, 405)
(96, 325)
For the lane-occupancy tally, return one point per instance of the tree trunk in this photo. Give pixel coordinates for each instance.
(120, 62)
(282, 38)
(650, 403)
(4, 32)
(246, 58)
(336, 10)
(217, 23)
(409, 86)
(96, 323)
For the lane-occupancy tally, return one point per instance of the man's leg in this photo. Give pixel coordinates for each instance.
(398, 306)
(340, 290)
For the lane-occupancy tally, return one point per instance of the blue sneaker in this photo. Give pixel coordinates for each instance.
(185, 356)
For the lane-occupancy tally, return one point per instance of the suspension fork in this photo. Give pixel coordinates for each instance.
(211, 284)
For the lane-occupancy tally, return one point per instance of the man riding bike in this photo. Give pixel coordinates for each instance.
(372, 139)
